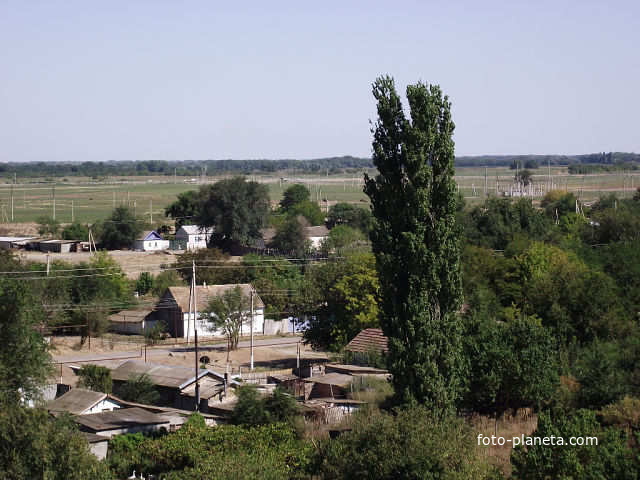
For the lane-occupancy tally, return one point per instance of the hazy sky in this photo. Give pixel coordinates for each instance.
(88, 80)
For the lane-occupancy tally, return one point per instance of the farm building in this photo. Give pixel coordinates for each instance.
(134, 322)
(150, 241)
(14, 242)
(58, 246)
(123, 420)
(175, 310)
(79, 401)
(193, 237)
(175, 384)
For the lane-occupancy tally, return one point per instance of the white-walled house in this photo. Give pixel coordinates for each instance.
(175, 310)
(79, 401)
(150, 241)
(193, 237)
(316, 235)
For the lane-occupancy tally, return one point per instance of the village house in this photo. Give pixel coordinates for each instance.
(173, 310)
(315, 234)
(120, 421)
(135, 322)
(79, 401)
(176, 384)
(150, 241)
(193, 237)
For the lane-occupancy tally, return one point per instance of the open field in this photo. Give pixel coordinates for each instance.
(88, 201)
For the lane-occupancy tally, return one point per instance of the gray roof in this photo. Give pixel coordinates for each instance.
(161, 375)
(316, 231)
(76, 401)
(204, 294)
(339, 379)
(121, 418)
(129, 316)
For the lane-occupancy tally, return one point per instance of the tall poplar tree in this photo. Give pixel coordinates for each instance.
(416, 243)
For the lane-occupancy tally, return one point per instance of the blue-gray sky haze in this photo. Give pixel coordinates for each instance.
(287, 79)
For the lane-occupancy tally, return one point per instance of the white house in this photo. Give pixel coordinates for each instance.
(175, 310)
(150, 241)
(78, 401)
(193, 237)
(135, 322)
(316, 235)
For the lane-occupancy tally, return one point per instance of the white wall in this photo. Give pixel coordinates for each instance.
(206, 328)
(151, 245)
(105, 405)
(316, 242)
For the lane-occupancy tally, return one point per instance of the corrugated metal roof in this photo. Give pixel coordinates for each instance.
(195, 230)
(339, 379)
(209, 387)
(121, 418)
(161, 375)
(368, 340)
(205, 294)
(76, 401)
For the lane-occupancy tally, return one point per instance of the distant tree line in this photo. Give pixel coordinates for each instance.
(331, 165)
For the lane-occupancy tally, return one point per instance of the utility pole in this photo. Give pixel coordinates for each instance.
(251, 363)
(195, 333)
(48, 264)
(53, 191)
(151, 211)
(12, 202)
(485, 182)
(72, 217)
(114, 199)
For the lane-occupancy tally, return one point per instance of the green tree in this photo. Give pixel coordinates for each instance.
(290, 238)
(24, 358)
(35, 445)
(347, 214)
(166, 279)
(185, 209)
(342, 237)
(610, 458)
(121, 229)
(236, 209)
(525, 177)
(47, 226)
(253, 409)
(76, 231)
(309, 210)
(294, 195)
(139, 389)
(416, 243)
(95, 377)
(218, 267)
(144, 283)
(413, 444)
(228, 312)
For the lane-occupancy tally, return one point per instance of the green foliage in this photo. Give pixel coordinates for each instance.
(610, 458)
(558, 201)
(416, 242)
(47, 226)
(237, 209)
(121, 229)
(413, 444)
(525, 177)
(294, 195)
(308, 210)
(511, 365)
(154, 334)
(254, 409)
(166, 279)
(194, 452)
(342, 237)
(144, 283)
(35, 445)
(350, 215)
(95, 377)
(228, 312)
(139, 389)
(24, 357)
(347, 297)
(76, 231)
(210, 257)
(290, 237)
(185, 209)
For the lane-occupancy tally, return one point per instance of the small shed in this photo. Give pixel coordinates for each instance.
(150, 241)
(98, 445)
(79, 401)
(330, 385)
(124, 420)
(134, 322)
(14, 242)
(59, 246)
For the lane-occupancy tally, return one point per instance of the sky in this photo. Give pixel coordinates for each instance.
(126, 80)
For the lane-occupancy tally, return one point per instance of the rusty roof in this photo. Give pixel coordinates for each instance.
(76, 401)
(206, 293)
(369, 340)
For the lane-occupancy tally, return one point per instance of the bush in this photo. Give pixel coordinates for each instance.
(253, 409)
(139, 389)
(96, 378)
(144, 283)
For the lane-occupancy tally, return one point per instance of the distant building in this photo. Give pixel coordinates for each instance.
(315, 235)
(193, 237)
(59, 246)
(135, 322)
(123, 420)
(150, 241)
(369, 340)
(14, 242)
(175, 310)
(79, 401)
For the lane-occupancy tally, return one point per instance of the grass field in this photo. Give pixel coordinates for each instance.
(88, 201)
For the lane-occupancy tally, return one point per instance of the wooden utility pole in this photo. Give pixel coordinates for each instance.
(486, 192)
(53, 191)
(151, 211)
(72, 217)
(12, 202)
(195, 332)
